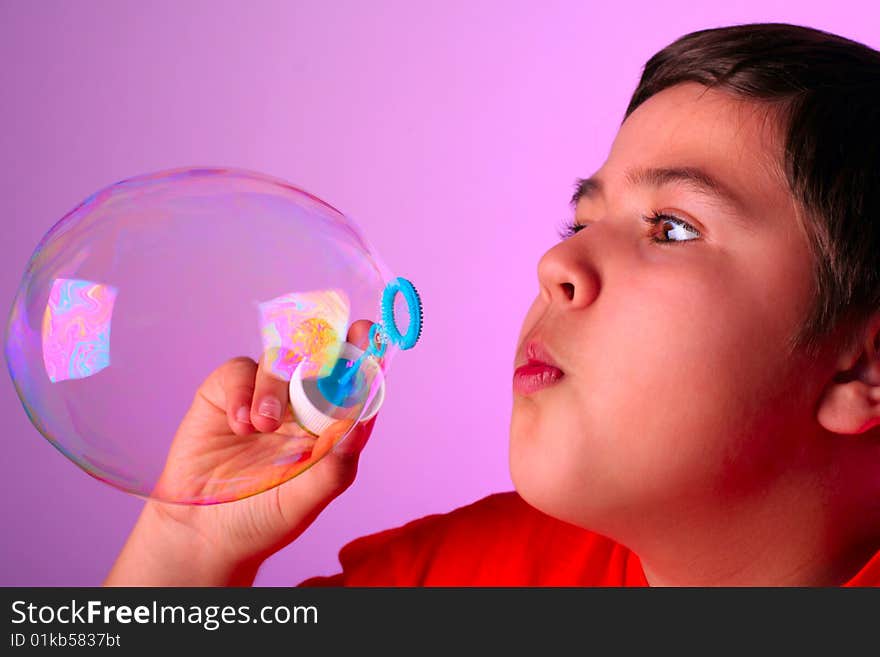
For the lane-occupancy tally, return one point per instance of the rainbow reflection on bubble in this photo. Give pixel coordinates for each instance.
(307, 326)
(76, 329)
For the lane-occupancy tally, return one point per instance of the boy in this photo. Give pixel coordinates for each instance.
(697, 383)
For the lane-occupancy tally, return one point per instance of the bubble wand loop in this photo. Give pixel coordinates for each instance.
(387, 332)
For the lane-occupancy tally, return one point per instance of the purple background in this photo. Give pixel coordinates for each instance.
(451, 132)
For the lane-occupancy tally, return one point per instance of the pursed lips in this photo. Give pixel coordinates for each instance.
(536, 353)
(538, 371)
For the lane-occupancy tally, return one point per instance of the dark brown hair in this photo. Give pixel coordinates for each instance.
(826, 89)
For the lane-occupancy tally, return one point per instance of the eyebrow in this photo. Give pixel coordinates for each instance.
(694, 177)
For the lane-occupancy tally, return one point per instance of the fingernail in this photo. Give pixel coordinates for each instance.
(243, 415)
(270, 407)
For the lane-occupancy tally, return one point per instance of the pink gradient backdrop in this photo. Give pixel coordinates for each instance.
(452, 132)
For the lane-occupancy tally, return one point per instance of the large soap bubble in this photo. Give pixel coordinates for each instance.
(133, 298)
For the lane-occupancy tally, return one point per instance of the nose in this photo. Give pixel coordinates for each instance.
(567, 277)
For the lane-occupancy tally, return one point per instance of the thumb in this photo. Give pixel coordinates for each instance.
(353, 444)
(337, 468)
(304, 496)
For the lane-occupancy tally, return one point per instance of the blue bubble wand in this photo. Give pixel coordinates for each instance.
(337, 386)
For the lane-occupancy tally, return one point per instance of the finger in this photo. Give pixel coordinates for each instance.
(336, 464)
(335, 470)
(359, 333)
(353, 444)
(237, 381)
(271, 398)
(339, 466)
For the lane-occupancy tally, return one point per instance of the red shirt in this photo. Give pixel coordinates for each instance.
(498, 541)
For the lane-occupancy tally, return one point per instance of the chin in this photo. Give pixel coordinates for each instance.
(532, 488)
(528, 470)
(552, 489)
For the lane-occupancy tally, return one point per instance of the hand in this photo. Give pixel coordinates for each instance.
(213, 451)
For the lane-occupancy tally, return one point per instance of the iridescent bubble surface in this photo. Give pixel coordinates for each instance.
(138, 294)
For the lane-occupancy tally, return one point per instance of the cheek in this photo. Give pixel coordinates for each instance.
(666, 391)
(693, 389)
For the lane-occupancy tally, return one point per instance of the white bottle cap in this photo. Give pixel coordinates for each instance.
(314, 412)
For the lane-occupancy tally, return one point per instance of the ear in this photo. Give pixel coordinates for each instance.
(851, 403)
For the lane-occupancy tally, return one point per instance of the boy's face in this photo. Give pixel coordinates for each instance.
(678, 396)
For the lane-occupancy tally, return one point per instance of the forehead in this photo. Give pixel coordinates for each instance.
(735, 141)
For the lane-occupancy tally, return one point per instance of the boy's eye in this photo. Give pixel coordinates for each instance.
(669, 226)
(672, 229)
(570, 227)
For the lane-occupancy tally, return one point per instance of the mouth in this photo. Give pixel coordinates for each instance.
(538, 372)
